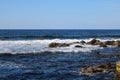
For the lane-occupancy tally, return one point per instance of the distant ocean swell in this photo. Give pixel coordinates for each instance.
(57, 36)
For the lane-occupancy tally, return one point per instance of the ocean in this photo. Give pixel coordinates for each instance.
(35, 41)
(59, 34)
(26, 55)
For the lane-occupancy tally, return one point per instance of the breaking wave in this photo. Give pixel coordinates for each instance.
(38, 46)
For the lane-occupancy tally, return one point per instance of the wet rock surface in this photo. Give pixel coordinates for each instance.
(58, 45)
(98, 69)
(92, 42)
(116, 43)
(83, 42)
(104, 44)
(78, 46)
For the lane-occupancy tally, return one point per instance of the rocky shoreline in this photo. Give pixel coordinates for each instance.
(98, 69)
(92, 42)
(106, 70)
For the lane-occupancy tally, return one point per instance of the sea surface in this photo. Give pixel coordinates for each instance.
(26, 55)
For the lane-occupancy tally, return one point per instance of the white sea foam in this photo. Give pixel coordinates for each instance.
(36, 46)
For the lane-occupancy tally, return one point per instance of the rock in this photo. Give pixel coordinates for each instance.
(82, 42)
(97, 42)
(93, 41)
(93, 70)
(78, 46)
(116, 43)
(86, 71)
(102, 44)
(109, 42)
(113, 43)
(58, 45)
(117, 76)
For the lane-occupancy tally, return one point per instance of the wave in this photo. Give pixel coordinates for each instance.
(38, 46)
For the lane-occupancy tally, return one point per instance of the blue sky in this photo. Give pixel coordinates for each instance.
(59, 14)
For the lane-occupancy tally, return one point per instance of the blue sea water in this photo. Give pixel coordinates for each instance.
(25, 55)
(62, 34)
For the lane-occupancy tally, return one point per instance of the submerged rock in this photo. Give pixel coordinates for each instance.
(58, 45)
(93, 70)
(96, 53)
(78, 46)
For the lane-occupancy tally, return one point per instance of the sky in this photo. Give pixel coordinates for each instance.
(59, 14)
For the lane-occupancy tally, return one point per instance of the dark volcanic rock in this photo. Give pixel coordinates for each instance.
(58, 45)
(78, 46)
